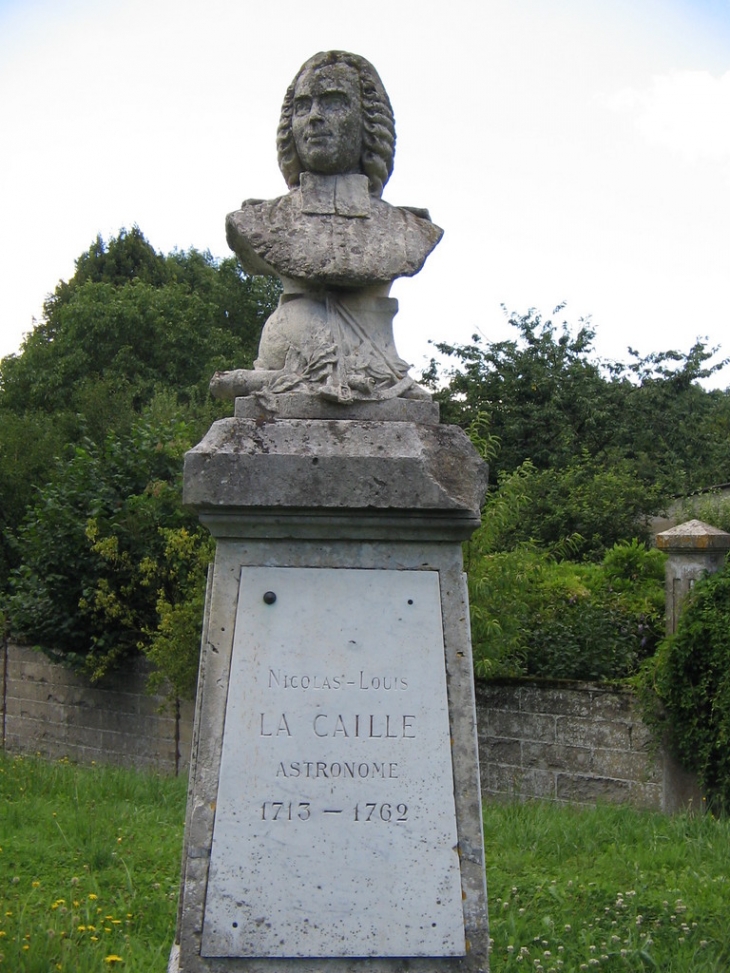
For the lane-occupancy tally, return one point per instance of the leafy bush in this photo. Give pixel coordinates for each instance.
(691, 679)
(533, 614)
(110, 561)
(580, 511)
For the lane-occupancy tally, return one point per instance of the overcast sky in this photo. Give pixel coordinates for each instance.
(572, 150)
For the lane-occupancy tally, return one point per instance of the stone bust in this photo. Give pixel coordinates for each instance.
(333, 242)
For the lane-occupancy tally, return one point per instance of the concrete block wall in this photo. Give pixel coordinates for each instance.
(53, 712)
(576, 744)
(573, 743)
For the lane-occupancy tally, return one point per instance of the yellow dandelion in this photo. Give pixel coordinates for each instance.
(35, 884)
(81, 928)
(93, 896)
(113, 958)
(95, 939)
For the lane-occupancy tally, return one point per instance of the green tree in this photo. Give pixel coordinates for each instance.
(129, 324)
(550, 400)
(545, 398)
(132, 322)
(107, 547)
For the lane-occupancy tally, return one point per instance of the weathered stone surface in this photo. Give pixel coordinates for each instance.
(386, 556)
(336, 766)
(52, 711)
(292, 238)
(589, 790)
(587, 732)
(600, 742)
(334, 243)
(335, 464)
(694, 549)
(297, 405)
(556, 756)
(693, 535)
(530, 726)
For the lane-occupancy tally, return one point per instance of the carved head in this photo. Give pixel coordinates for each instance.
(336, 118)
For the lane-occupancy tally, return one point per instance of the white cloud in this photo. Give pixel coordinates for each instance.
(687, 111)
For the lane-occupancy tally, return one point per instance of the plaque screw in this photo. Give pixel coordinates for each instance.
(269, 597)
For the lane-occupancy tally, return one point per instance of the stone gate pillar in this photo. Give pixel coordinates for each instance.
(694, 549)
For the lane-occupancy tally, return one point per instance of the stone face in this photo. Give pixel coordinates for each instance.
(335, 831)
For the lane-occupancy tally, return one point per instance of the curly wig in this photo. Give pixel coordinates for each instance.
(378, 140)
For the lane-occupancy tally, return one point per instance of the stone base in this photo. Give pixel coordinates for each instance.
(334, 465)
(385, 501)
(298, 405)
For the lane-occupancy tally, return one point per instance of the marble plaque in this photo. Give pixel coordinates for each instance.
(335, 825)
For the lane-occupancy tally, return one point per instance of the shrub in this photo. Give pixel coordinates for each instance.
(534, 615)
(691, 678)
(110, 561)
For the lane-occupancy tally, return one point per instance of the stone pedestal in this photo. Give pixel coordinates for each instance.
(334, 814)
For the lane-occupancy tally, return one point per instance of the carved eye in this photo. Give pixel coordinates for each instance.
(302, 106)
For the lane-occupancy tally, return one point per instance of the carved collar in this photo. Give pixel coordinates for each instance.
(345, 195)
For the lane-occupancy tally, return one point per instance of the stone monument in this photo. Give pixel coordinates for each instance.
(334, 813)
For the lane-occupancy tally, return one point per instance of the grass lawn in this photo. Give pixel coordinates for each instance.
(89, 867)
(90, 861)
(607, 889)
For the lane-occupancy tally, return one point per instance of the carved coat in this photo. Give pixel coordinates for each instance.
(330, 232)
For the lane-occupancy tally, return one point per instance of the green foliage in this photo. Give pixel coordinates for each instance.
(711, 508)
(107, 549)
(179, 578)
(130, 323)
(28, 444)
(550, 400)
(545, 399)
(135, 336)
(647, 891)
(535, 614)
(691, 679)
(587, 504)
